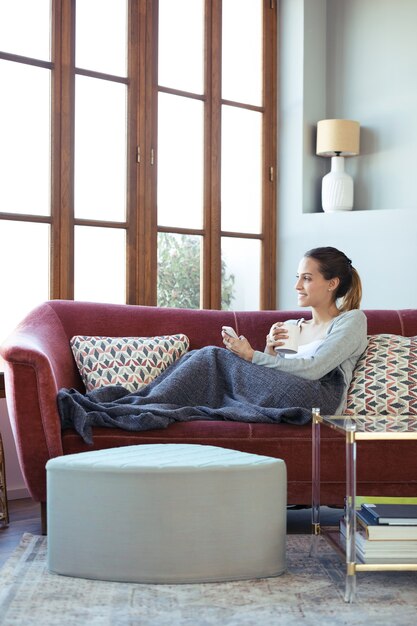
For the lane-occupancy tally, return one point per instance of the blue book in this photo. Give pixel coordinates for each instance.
(374, 531)
(392, 514)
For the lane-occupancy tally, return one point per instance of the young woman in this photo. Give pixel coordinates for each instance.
(213, 383)
(334, 338)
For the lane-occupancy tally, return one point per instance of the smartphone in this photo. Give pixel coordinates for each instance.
(230, 331)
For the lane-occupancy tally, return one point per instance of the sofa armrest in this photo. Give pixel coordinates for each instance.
(38, 362)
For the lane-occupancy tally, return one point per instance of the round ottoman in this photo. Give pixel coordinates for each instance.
(166, 513)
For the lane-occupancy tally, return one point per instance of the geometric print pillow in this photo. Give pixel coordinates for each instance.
(385, 378)
(132, 362)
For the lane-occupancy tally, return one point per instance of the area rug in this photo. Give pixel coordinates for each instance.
(310, 592)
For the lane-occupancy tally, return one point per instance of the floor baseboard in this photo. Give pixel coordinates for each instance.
(17, 493)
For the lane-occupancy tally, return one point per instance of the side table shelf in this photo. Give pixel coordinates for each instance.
(355, 428)
(4, 509)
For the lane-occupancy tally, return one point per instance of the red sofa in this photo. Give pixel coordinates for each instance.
(39, 361)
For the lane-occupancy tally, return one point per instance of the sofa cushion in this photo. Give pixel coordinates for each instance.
(132, 362)
(385, 379)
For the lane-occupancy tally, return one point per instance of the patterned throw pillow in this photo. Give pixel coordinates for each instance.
(132, 362)
(385, 378)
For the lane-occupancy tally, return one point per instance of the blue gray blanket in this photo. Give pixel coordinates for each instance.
(207, 384)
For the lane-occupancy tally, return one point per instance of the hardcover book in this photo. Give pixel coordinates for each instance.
(395, 551)
(402, 514)
(374, 531)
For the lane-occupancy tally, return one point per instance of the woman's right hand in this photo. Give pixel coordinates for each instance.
(277, 335)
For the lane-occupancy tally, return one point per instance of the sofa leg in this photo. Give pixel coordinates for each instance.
(43, 518)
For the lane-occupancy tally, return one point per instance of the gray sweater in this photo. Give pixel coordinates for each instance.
(345, 342)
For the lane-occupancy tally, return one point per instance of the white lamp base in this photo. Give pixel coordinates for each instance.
(337, 188)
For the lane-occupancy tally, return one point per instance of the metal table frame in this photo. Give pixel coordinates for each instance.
(355, 428)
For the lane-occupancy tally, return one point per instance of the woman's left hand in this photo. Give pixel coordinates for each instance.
(241, 347)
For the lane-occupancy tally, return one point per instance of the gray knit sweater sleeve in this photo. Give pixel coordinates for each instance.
(344, 343)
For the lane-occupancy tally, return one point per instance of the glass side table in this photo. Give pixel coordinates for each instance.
(4, 510)
(356, 428)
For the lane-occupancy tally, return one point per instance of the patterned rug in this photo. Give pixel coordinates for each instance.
(310, 592)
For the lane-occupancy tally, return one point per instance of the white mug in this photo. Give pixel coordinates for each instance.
(291, 344)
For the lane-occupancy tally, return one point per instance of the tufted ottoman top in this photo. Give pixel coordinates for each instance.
(159, 457)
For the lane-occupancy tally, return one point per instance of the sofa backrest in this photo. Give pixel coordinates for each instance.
(119, 320)
(201, 325)
(49, 328)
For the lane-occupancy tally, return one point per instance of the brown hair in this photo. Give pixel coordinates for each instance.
(335, 264)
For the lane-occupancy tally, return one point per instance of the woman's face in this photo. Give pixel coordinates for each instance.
(312, 288)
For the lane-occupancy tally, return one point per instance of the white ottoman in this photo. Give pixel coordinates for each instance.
(166, 513)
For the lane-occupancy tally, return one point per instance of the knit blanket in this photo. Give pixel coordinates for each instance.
(207, 384)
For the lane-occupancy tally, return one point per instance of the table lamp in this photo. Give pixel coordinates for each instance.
(337, 139)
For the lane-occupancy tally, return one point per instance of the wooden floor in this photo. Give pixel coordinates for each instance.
(25, 517)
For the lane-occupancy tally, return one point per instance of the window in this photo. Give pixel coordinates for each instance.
(137, 153)
(26, 75)
(215, 187)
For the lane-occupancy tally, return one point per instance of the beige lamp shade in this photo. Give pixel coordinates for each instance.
(339, 137)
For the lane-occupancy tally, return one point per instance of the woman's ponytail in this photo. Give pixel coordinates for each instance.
(352, 299)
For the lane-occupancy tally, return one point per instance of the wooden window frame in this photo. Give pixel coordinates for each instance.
(211, 231)
(141, 213)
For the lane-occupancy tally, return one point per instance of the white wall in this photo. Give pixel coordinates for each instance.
(15, 484)
(353, 59)
(371, 76)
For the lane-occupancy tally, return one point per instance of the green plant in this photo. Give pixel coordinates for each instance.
(179, 270)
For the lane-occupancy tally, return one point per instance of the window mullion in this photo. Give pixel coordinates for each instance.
(269, 225)
(149, 111)
(134, 149)
(62, 248)
(55, 254)
(144, 100)
(214, 97)
(205, 287)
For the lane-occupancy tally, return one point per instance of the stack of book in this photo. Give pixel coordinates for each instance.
(385, 533)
